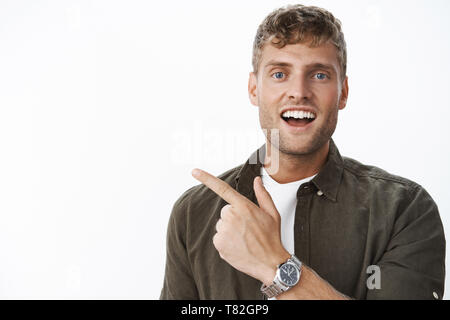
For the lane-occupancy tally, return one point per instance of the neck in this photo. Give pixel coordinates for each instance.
(285, 168)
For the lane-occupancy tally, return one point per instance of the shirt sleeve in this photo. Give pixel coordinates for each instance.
(413, 265)
(179, 282)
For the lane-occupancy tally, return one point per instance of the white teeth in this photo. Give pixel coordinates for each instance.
(298, 114)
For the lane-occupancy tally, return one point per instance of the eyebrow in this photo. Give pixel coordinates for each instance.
(274, 63)
(328, 67)
(316, 65)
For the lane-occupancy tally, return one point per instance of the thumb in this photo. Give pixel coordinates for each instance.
(264, 199)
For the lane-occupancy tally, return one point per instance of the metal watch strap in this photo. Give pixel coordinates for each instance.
(295, 260)
(276, 287)
(271, 291)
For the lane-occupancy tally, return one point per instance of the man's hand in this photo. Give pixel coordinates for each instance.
(248, 237)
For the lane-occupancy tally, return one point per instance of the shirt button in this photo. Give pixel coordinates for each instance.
(319, 193)
(435, 295)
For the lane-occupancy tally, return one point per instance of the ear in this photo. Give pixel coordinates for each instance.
(344, 94)
(253, 89)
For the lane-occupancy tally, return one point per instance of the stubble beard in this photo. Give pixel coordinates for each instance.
(306, 144)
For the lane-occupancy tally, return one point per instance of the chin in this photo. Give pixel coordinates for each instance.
(296, 151)
(300, 148)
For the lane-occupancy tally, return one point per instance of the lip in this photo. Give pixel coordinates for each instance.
(294, 129)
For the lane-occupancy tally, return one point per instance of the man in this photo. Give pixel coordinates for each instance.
(303, 222)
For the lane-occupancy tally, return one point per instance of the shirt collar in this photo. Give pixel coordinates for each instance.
(329, 177)
(327, 180)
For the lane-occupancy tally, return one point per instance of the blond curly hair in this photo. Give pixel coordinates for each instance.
(294, 24)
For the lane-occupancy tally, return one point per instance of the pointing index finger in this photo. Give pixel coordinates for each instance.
(220, 187)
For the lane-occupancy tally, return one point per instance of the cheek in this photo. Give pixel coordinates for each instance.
(270, 92)
(268, 103)
(328, 99)
(265, 118)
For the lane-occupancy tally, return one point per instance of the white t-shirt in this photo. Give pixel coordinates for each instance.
(285, 198)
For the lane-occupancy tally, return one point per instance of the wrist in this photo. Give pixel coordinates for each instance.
(268, 276)
(286, 277)
(270, 269)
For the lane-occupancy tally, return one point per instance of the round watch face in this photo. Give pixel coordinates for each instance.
(289, 274)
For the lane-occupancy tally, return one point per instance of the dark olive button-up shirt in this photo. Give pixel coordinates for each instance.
(370, 234)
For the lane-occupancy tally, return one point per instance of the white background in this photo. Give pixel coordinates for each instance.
(106, 106)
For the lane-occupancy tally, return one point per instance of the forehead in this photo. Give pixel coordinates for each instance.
(299, 55)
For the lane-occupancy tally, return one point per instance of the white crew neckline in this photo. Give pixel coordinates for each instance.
(287, 185)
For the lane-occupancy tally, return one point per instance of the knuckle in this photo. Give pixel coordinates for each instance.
(218, 224)
(277, 218)
(217, 242)
(249, 207)
(225, 211)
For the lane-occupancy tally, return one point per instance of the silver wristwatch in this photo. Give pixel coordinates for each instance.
(287, 276)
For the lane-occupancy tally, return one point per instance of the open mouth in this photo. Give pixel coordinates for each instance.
(298, 118)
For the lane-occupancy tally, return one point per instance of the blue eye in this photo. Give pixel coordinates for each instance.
(320, 76)
(278, 75)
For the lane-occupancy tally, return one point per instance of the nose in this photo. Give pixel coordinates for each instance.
(299, 89)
